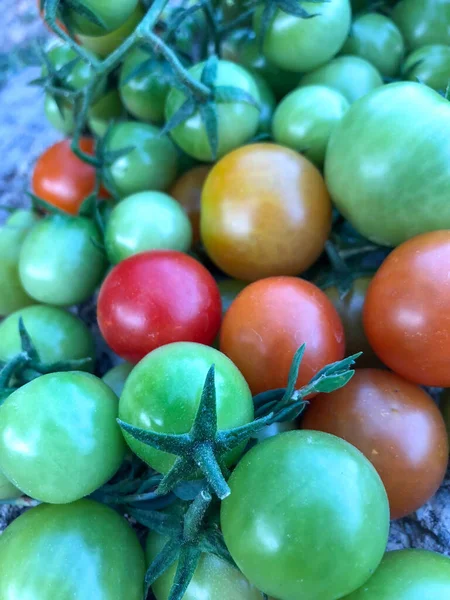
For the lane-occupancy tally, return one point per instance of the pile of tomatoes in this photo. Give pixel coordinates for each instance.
(248, 193)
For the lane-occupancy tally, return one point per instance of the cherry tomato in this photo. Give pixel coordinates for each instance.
(109, 16)
(270, 320)
(62, 179)
(407, 310)
(116, 377)
(307, 516)
(155, 298)
(265, 211)
(423, 22)
(187, 190)
(396, 425)
(60, 117)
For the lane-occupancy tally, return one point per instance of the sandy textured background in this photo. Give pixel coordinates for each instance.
(25, 134)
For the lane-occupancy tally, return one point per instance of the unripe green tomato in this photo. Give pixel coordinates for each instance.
(103, 45)
(354, 77)
(147, 221)
(237, 121)
(423, 22)
(378, 40)
(305, 118)
(144, 95)
(111, 15)
(107, 109)
(429, 65)
(116, 377)
(62, 120)
(60, 261)
(267, 103)
(150, 165)
(12, 234)
(8, 490)
(56, 334)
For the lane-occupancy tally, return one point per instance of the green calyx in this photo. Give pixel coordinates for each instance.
(202, 448)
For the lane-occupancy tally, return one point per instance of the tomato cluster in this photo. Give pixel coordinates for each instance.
(245, 195)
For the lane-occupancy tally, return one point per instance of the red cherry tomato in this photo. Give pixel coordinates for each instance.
(155, 298)
(267, 323)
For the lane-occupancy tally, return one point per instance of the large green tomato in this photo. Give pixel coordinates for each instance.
(144, 95)
(267, 103)
(305, 118)
(423, 22)
(378, 40)
(111, 15)
(163, 392)
(12, 235)
(57, 335)
(60, 261)
(147, 221)
(390, 194)
(214, 578)
(115, 378)
(237, 121)
(354, 77)
(59, 439)
(307, 516)
(408, 575)
(81, 551)
(107, 109)
(429, 65)
(8, 491)
(301, 45)
(151, 163)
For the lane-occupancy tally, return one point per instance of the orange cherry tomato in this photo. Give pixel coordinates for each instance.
(187, 190)
(267, 323)
(265, 211)
(396, 425)
(407, 310)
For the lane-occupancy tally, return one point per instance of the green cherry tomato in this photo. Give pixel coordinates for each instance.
(213, 579)
(163, 392)
(423, 22)
(305, 118)
(408, 575)
(60, 261)
(59, 439)
(103, 45)
(145, 93)
(60, 55)
(301, 45)
(354, 77)
(116, 377)
(229, 289)
(106, 16)
(429, 65)
(8, 491)
(62, 117)
(107, 109)
(388, 195)
(151, 163)
(83, 550)
(147, 221)
(12, 235)
(237, 121)
(267, 103)
(56, 334)
(307, 516)
(378, 40)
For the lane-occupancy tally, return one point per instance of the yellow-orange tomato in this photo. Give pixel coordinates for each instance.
(265, 211)
(187, 190)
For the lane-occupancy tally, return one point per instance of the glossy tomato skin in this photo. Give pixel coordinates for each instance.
(8, 491)
(270, 320)
(408, 575)
(151, 165)
(116, 377)
(319, 509)
(397, 200)
(237, 121)
(407, 310)
(112, 15)
(214, 578)
(146, 221)
(429, 65)
(59, 261)
(423, 22)
(396, 425)
(352, 76)
(70, 447)
(56, 334)
(265, 211)
(378, 40)
(305, 118)
(62, 179)
(80, 550)
(155, 298)
(163, 392)
(12, 235)
(187, 190)
(301, 45)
